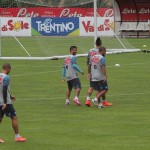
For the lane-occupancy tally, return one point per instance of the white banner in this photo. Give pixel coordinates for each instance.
(15, 26)
(105, 26)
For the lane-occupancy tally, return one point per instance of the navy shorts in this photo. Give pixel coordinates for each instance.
(9, 111)
(99, 85)
(74, 83)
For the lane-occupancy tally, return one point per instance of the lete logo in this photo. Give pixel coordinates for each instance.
(15, 25)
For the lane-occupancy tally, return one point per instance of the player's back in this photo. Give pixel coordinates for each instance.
(96, 72)
(92, 52)
(71, 73)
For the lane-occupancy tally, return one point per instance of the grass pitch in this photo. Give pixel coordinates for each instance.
(49, 125)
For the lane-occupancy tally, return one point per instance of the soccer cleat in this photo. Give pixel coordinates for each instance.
(20, 139)
(105, 103)
(1, 141)
(100, 105)
(88, 103)
(95, 102)
(77, 102)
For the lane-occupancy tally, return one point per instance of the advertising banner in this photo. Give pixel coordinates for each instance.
(55, 12)
(15, 26)
(130, 13)
(55, 26)
(144, 12)
(105, 26)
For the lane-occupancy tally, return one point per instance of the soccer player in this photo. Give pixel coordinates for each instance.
(69, 72)
(6, 106)
(97, 69)
(92, 53)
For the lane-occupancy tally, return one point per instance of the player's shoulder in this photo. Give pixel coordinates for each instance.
(93, 50)
(100, 56)
(6, 80)
(73, 56)
(4, 75)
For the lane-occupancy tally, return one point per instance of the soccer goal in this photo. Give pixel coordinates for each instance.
(45, 29)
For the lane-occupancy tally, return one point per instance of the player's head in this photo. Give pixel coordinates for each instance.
(73, 50)
(6, 68)
(102, 51)
(98, 42)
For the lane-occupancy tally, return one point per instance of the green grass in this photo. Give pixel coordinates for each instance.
(50, 46)
(49, 125)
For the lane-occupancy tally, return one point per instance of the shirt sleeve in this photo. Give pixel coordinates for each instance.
(88, 56)
(74, 64)
(90, 61)
(63, 71)
(103, 61)
(6, 82)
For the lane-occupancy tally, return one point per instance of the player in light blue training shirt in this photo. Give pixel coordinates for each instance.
(69, 72)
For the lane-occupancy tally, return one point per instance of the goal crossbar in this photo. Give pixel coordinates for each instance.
(113, 51)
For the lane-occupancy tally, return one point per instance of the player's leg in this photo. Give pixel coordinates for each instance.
(11, 113)
(77, 86)
(1, 114)
(99, 100)
(102, 88)
(15, 124)
(68, 93)
(104, 101)
(89, 93)
(96, 88)
(1, 117)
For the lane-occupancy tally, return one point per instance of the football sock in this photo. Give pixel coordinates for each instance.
(17, 135)
(103, 97)
(96, 99)
(76, 98)
(67, 100)
(88, 98)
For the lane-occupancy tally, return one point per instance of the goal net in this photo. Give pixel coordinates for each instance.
(45, 29)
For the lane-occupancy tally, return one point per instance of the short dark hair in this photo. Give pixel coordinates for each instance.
(6, 66)
(102, 48)
(72, 47)
(98, 41)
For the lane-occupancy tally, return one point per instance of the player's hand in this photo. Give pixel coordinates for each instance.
(63, 80)
(12, 98)
(4, 106)
(82, 73)
(105, 79)
(88, 76)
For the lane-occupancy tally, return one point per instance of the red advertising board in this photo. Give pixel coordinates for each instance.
(55, 12)
(131, 13)
(144, 12)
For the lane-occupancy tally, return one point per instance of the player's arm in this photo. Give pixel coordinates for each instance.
(103, 67)
(5, 89)
(75, 66)
(88, 58)
(63, 72)
(89, 70)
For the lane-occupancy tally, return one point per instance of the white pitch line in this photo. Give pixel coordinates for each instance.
(63, 97)
(26, 74)
(122, 65)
